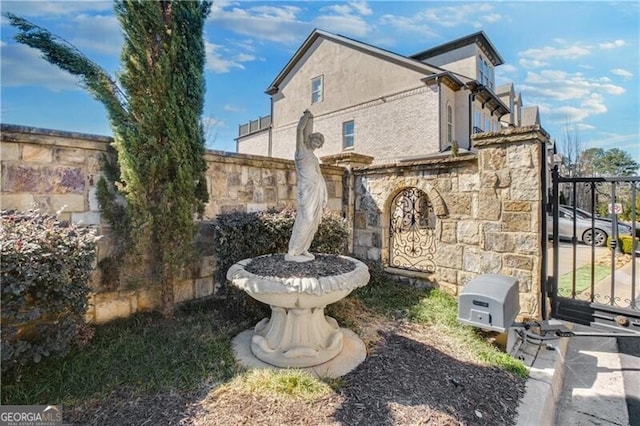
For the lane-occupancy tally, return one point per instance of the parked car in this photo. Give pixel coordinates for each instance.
(597, 235)
(587, 215)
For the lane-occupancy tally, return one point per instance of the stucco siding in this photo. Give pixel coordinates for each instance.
(351, 77)
(461, 61)
(400, 126)
(256, 143)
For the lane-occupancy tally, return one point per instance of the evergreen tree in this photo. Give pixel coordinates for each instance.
(155, 111)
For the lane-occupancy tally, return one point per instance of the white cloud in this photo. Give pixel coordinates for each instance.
(23, 66)
(622, 73)
(215, 61)
(459, 14)
(612, 44)
(539, 57)
(343, 24)
(52, 9)
(345, 18)
(97, 33)
(272, 23)
(568, 96)
(233, 108)
(361, 7)
(244, 57)
(409, 24)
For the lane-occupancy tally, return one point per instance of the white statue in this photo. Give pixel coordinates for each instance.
(312, 191)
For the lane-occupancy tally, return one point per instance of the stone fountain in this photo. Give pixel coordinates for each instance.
(299, 285)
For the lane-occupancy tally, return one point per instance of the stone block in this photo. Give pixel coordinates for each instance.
(468, 232)
(39, 179)
(373, 254)
(493, 158)
(112, 305)
(21, 201)
(499, 242)
(488, 204)
(518, 261)
(360, 220)
(183, 291)
(149, 299)
(489, 179)
(86, 218)
(9, 151)
(69, 155)
(527, 243)
(36, 154)
(516, 206)
(479, 261)
(447, 275)
(335, 205)
(468, 182)
(256, 207)
(448, 256)
(504, 178)
(94, 205)
(525, 185)
(204, 287)
(207, 266)
(516, 221)
(519, 156)
(458, 204)
(448, 232)
(68, 203)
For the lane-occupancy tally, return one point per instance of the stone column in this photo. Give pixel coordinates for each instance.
(511, 207)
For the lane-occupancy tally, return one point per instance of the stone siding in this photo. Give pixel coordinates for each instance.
(56, 171)
(488, 208)
(488, 205)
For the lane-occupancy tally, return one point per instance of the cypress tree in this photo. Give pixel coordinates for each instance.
(155, 111)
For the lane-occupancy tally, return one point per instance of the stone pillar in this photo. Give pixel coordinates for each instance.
(350, 161)
(510, 207)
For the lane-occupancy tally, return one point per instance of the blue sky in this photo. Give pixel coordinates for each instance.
(578, 61)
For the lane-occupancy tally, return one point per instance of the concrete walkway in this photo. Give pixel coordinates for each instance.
(584, 381)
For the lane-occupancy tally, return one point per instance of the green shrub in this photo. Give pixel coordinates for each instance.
(46, 265)
(239, 235)
(625, 242)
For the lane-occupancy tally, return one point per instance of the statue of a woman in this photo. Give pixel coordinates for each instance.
(312, 191)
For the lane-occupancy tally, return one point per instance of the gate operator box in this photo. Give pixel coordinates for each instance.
(489, 302)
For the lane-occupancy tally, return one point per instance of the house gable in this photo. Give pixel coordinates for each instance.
(353, 73)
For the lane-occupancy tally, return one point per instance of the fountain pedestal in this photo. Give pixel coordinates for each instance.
(298, 333)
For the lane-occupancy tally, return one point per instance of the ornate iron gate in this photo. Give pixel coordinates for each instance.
(412, 231)
(591, 283)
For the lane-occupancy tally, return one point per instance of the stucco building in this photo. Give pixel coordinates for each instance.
(374, 102)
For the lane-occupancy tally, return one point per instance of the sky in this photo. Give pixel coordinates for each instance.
(578, 61)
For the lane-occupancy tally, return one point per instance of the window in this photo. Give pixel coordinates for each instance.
(449, 124)
(485, 73)
(348, 133)
(487, 124)
(316, 89)
(477, 121)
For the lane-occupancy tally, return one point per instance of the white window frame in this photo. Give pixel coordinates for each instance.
(348, 139)
(317, 94)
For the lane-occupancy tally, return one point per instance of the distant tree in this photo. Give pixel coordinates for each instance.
(155, 111)
(571, 149)
(611, 162)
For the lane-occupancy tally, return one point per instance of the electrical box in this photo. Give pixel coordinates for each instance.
(489, 302)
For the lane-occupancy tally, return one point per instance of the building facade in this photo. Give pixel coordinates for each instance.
(373, 102)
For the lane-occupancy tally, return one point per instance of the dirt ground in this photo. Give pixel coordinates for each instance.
(412, 376)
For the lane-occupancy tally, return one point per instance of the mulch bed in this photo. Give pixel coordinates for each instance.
(412, 376)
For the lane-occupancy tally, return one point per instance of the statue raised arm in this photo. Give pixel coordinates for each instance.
(312, 190)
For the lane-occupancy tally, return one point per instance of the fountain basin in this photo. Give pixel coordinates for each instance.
(298, 334)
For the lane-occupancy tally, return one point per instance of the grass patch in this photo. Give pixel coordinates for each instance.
(440, 310)
(287, 384)
(144, 354)
(583, 278)
(147, 355)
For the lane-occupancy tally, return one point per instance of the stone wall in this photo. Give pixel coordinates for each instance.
(488, 208)
(488, 205)
(56, 171)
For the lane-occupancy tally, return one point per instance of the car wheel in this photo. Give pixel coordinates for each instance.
(599, 237)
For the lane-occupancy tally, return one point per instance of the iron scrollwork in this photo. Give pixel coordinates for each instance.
(412, 231)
